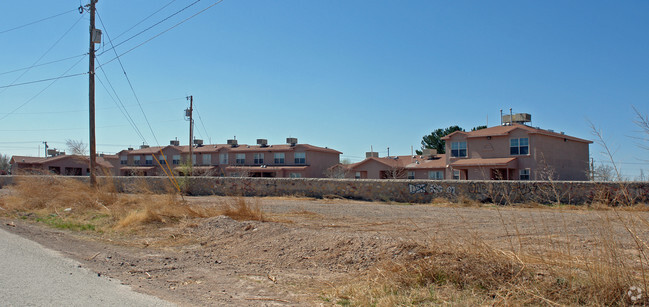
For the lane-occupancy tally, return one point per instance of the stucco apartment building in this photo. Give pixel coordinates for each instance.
(66, 165)
(232, 159)
(427, 166)
(512, 151)
(516, 152)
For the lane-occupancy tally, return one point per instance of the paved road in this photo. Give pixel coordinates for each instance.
(31, 275)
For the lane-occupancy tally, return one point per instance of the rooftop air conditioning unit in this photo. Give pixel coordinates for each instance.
(429, 152)
(174, 142)
(144, 146)
(371, 154)
(262, 142)
(233, 143)
(198, 142)
(291, 141)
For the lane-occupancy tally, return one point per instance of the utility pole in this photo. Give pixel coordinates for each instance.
(188, 113)
(95, 37)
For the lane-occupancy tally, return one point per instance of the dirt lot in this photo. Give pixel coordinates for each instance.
(308, 247)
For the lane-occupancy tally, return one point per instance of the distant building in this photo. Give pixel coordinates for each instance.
(233, 160)
(512, 151)
(429, 166)
(66, 165)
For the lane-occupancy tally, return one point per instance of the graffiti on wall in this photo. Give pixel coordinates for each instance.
(424, 188)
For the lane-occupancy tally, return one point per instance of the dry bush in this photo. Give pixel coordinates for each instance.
(239, 209)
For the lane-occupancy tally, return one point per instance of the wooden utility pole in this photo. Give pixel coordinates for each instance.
(189, 112)
(95, 36)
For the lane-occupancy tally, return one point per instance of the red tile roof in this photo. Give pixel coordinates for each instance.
(505, 162)
(505, 130)
(212, 148)
(407, 162)
(41, 160)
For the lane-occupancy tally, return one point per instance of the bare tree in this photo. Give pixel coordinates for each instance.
(603, 173)
(76, 147)
(4, 163)
(395, 172)
(337, 171)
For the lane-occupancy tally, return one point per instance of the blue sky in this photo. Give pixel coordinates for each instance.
(349, 75)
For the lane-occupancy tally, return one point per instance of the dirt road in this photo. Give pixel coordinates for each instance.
(309, 246)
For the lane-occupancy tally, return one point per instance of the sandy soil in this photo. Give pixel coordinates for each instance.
(309, 246)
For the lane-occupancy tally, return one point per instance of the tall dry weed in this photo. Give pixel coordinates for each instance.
(463, 268)
(73, 199)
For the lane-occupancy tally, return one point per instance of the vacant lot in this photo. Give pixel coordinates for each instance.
(331, 251)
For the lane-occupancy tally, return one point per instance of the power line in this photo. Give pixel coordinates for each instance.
(43, 90)
(122, 109)
(52, 62)
(143, 20)
(46, 52)
(37, 21)
(43, 80)
(165, 31)
(202, 124)
(149, 28)
(128, 80)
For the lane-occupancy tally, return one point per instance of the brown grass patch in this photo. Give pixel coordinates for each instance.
(103, 207)
(463, 269)
(239, 209)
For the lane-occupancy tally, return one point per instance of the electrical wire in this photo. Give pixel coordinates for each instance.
(165, 31)
(122, 109)
(37, 21)
(43, 90)
(202, 124)
(52, 62)
(143, 20)
(149, 28)
(44, 54)
(43, 80)
(128, 80)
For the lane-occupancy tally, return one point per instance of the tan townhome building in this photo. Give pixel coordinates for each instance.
(515, 151)
(65, 165)
(232, 159)
(427, 166)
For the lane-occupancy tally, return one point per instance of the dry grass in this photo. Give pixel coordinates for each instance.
(238, 209)
(74, 202)
(463, 269)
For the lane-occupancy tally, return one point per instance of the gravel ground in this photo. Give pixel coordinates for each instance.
(311, 245)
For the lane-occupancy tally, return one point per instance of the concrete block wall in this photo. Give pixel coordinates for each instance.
(407, 191)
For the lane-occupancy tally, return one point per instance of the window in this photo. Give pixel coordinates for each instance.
(300, 158)
(123, 159)
(524, 174)
(136, 160)
(258, 158)
(411, 175)
(357, 175)
(279, 158)
(223, 158)
(176, 160)
(458, 149)
(149, 159)
(193, 159)
(241, 159)
(295, 175)
(162, 160)
(456, 175)
(207, 159)
(436, 175)
(519, 146)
